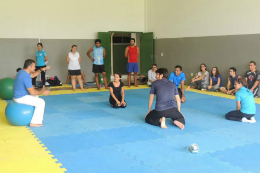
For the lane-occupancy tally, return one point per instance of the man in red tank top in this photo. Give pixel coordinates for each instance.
(132, 53)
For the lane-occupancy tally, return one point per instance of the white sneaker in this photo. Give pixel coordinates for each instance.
(253, 119)
(245, 120)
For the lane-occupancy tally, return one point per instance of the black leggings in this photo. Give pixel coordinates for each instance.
(114, 104)
(237, 115)
(154, 116)
(42, 75)
(180, 92)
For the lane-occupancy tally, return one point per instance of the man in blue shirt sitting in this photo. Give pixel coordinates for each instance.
(178, 77)
(25, 93)
(166, 97)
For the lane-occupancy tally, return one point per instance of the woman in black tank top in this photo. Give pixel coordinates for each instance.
(117, 92)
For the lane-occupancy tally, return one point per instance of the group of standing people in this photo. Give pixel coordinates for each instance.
(99, 53)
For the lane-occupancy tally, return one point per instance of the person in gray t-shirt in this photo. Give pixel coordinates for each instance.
(166, 97)
(152, 75)
(201, 79)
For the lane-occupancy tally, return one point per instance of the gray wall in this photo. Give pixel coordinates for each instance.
(221, 51)
(13, 53)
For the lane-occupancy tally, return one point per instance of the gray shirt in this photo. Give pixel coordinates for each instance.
(205, 80)
(165, 92)
(151, 75)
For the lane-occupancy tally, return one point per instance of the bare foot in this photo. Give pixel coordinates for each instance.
(136, 86)
(85, 83)
(83, 89)
(203, 90)
(128, 86)
(107, 88)
(188, 88)
(74, 90)
(35, 125)
(162, 121)
(98, 88)
(179, 124)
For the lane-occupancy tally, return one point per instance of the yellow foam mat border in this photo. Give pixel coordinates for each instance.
(219, 94)
(93, 90)
(20, 150)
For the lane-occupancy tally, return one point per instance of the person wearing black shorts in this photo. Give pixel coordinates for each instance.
(98, 61)
(73, 60)
(253, 77)
(41, 60)
(166, 97)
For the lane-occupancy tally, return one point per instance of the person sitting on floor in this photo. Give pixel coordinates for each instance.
(246, 108)
(215, 80)
(25, 93)
(152, 75)
(117, 92)
(201, 80)
(166, 97)
(253, 77)
(231, 82)
(178, 77)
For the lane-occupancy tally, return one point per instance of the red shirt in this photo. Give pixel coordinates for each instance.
(132, 54)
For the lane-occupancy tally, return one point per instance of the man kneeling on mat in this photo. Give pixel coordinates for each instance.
(166, 107)
(25, 93)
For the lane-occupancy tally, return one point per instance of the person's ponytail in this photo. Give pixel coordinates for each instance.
(242, 81)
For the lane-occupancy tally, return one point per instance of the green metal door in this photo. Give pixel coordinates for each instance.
(146, 52)
(105, 43)
(119, 60)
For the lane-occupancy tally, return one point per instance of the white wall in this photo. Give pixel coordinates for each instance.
(67, 19)
(195, 18)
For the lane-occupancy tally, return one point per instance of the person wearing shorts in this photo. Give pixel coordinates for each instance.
(41, 60)
(132, 53)
(168, 102)
(98, 61)
(73, 60)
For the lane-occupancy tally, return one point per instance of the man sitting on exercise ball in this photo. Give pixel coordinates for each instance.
(25, 93)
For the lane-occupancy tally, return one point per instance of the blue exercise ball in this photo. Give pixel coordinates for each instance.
(19, 114)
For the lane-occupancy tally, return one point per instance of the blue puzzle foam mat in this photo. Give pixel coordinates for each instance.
(86, 135)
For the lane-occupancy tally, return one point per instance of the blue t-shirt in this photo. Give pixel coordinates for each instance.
(98, 55)
(165, 92)
(22, 81)
(177, 79)
(40, 58)
(246, 98)
(215, 80)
